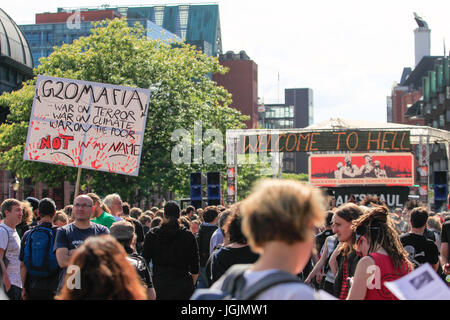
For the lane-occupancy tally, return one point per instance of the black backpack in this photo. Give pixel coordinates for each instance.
(234, 283)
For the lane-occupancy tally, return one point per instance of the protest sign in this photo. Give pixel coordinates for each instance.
(421, 284)
(87, 125)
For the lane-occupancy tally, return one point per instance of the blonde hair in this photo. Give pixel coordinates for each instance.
(28, 214)
(435, 223)
(284, 210)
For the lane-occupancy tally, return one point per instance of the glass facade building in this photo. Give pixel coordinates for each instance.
(197, 24)
(44, 36)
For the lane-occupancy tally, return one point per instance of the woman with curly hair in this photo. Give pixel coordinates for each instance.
(383, 256)
(105, 273)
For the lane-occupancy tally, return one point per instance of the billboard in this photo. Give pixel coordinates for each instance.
(345, 140)
(87, 125)
(389, 169)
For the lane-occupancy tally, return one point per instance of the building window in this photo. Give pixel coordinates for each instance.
(435, 124)
(441, 121)
(428, 108)
(184, 16)
(443, 164)
(159, 15)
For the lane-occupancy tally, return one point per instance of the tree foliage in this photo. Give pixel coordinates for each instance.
(114, 53)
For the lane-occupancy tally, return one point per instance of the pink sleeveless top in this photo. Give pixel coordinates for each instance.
(387, 272)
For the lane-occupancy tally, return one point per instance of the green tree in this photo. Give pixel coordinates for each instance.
(117, 54)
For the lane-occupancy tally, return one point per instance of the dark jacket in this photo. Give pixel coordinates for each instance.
(204, 235)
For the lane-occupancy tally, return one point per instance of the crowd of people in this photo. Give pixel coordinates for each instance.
(280, 243)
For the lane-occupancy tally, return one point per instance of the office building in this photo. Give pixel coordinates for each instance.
(296, 112)
(242, 82)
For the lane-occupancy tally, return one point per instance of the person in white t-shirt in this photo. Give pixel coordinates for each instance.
(11, 210)
(278, 221)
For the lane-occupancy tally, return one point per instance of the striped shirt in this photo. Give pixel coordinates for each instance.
(344, 289)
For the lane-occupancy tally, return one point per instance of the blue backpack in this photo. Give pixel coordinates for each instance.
(234, 283)
(39, 257)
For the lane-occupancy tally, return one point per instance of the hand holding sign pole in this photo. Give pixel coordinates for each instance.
(87, 125)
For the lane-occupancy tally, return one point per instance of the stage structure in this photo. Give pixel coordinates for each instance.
(332, 137)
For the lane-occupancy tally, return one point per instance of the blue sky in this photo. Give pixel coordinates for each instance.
(349, 52)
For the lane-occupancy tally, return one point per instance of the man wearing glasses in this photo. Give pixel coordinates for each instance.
(71, 236)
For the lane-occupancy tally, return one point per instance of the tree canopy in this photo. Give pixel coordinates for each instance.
(182, 92)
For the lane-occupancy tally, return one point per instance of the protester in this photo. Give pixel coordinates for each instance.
(420, 249)
(35, 205)
(235, 250)
(138, 229)
(123, 232)
(71, 236)
(278, 220)
(135, 213)
(27, 219)
(38, 266)
(195, 225)
(383, 256)
(157, 221)
(217, 237)
(68, 210)
(104, 272)
(435, 225)
(60, 219)
(100, 212)
(173, 251)
(322, 236)
(11, 210)
(114, 203)
(344, 259)
(190, 210)
(145, 221)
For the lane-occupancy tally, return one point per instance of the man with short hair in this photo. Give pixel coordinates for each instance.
(11, 210)
(217, 237)
(114, 203)
(36, 287)
(421, 250)
(190, 210)
(205, 232)
(71, 236)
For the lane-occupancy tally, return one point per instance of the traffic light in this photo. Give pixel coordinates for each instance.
(213, 189)
(196, 189)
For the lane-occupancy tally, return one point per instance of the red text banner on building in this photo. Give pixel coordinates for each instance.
(389, 169)
(87, 125)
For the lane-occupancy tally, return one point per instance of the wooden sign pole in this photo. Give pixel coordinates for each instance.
(77, 185)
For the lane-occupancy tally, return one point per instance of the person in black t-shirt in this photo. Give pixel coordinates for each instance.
(138, 228)
(421, 250)
(39, 288)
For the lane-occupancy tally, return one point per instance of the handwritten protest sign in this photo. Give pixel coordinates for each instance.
(87, 125)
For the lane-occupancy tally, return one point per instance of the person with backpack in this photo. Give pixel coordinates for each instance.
(11, 210)
(38, 265)
(124, 232)
(278, 220)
